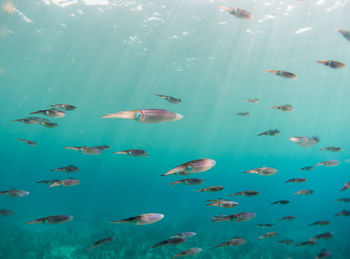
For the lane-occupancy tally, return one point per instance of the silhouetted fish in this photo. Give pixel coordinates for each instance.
(281, 202)
(237, 12)
(170, 99)
(343, 213)
(285, 108)
(146, 116)
(54, 113)
(310, 242)
(189, 252)
(233, 242)
(345, 34)
(283, 74)
(89, 150)
(171, 241)
(222, 203)
(29, 142)
(244, 114)
(305, 141)
(102, 241)
(265, 225)
(15, 193)
(296, 180)
(271, 132)
(66, 169)
(332, 149)
(255, 100)
(67, 182)
(211, 189)
(245, 193)
(132, 152)
(304, 192)
(326, 235)
(66, 107)
(287, 218)
(262, 171)
(286, 242)
(239, 217)
(191, 167)
(320, 223)
(188, 181)
(323, 254)
(306, 168)
(268, 235)
(185, 235)
(52, 220)
(331, 63)
(343, 200)
(328, 163)
(4, 212)
(143, 219)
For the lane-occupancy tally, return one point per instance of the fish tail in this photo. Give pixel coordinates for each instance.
(3, 192)
(128, 220)
(159, 244)
(120, 153)
(321, 61)
(55, 184)
(211, 204)
(35, 221)
(177, 182)
(264, 133)
(220, 245)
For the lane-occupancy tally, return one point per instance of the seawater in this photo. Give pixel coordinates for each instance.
(108, 56)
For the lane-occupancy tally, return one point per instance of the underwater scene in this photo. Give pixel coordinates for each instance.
(175, 128)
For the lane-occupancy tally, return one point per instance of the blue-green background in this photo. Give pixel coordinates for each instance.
(83, 55)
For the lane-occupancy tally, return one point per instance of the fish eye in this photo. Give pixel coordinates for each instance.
(138, 115)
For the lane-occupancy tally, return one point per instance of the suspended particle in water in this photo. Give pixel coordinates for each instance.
(9, 7)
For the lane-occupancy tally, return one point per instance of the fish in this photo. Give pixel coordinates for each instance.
(4, 212)
(286, 242)
(66, 107)
(239, 217)
(344, 33)
(346, 186)
(188, 181)
(320, 223)
(265, 225)
(268, 235)
(255, 100)
(185, 235)
(67, 182)
(296, 180)
(170, 99)
(233, 242)
(326, 235)
(143, 219)
(343, 213)
(287, 218)
(171, 241)
(89, 150)
(222, 203)
(132, 152)
(332, 149)
(191, 167)
(146, 115)
(281, 202)
(54, 113)
(305, 141)
(243, 114)
(323, 254)
(245, 193)
(328, 163)
(49, 181)
(59, 219)
(211, 189)
(262, 171)
(37, 121)
(102, 241)
(310, 242)
(284, 108)
(188, 252)
(283, 74)
(331, 63)
(304, 192)
(29, 142)
(271, 132)
(66, 169)
(343, 200)
(306, 168)
(15, 193)
(237, 12)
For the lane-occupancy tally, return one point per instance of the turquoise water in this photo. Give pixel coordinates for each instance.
(114, 56)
